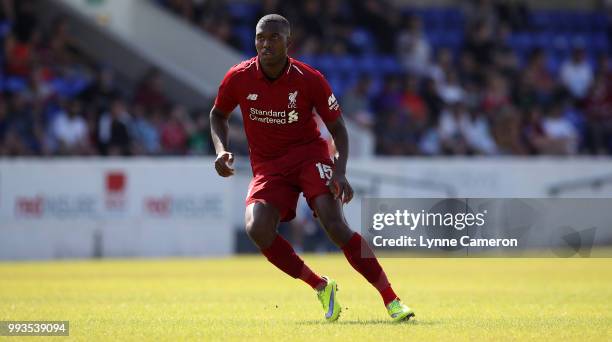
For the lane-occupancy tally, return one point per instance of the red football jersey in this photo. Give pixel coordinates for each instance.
(279, 121)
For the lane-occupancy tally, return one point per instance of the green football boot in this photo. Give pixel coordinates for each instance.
(398, 311)
(329, 300)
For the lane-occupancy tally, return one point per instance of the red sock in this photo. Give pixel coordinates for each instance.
(363, 260)
(312, 278)
(281, 254)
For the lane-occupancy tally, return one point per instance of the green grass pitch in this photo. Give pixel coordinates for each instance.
(245, 298)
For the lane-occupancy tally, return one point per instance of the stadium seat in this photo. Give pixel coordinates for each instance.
(246, 36)
(390, 65)
(369, 64)
(362, 39)
(346, 64)
(15, 84)
(326, 63)
(242, 12)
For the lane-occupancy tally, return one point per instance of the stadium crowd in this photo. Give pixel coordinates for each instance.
(466, 80)
(459, 80)
(57, 101)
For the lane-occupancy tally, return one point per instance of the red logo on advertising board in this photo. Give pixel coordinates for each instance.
(158, 205)
(29, 206)
(115, 190)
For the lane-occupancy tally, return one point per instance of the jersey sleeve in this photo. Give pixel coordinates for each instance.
(226, 99)
(325, 101)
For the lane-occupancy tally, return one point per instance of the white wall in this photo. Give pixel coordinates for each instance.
(95, 207)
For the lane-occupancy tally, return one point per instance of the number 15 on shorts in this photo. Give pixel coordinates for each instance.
(325, 171)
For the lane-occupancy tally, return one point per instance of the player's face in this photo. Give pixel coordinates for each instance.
(271, 43)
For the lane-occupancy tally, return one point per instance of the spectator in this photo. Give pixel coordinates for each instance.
(443, 65)
(496, 94)
(478, 134)
(39, 88)
(480, 44)
(599, 116)
(26, 127)
(412, 102)
(450, 130)
(399, 137)
(145, 136)
(355, 103)
(69, 129)
(102, 91)
(506, 131)
(562, 132)
(413, 49)
(540, 78)
(174, 132)
(150, 93)
(19, 56)
(451, 91)
(4, 126)
(113, 134)
(577, 74)
(533, 132)
(199, 141)
(433, 100)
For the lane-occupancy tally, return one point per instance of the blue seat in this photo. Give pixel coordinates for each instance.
(543, 40)
(5, 28)
(326, 63)
(599, 21)
(308, 59)
(521, 41)
(453, 19)
(560, 42)
(346, 64)
(599, 42)
(362, 39)
(390, 65)
(15, 84)
(336, 82)
(369, 64)
(539, 20)
(554, 63)
(246, 35)
(242, 11)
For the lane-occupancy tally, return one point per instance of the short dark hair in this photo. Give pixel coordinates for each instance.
(275, 18)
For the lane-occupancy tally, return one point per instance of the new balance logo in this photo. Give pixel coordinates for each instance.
(252, 97)
(293, 116)
(332, 102)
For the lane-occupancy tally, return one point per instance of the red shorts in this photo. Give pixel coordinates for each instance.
(282, 190)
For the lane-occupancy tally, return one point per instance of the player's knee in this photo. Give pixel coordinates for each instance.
(252, 228)
(259, 232)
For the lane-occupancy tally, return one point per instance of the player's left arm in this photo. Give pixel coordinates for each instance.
(340, 187)
(327, 107)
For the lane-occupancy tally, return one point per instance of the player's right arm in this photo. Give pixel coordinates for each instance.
(219, 123)
(219, 127)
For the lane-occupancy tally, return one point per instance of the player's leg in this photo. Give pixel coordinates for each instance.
(358, 253)
(355, 249)
(261, 223)
(270, 200)
(314, 184)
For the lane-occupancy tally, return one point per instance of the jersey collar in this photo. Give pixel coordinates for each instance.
(286, 72)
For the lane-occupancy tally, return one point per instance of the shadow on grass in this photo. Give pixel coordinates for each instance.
(414, 322)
